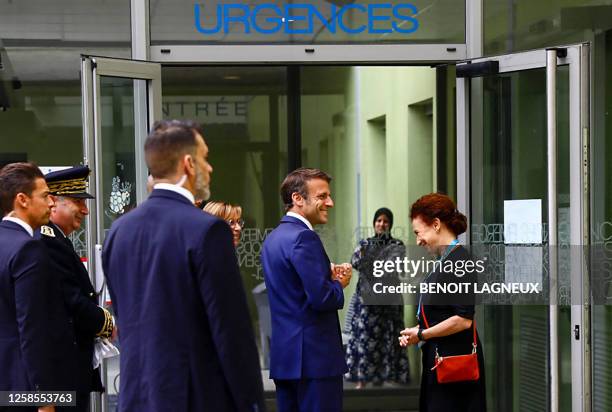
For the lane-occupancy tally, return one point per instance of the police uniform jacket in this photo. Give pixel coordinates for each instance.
(79, 297)
(36, 339)
(187, 343)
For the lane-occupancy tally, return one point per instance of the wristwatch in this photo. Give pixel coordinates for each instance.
(420, 335)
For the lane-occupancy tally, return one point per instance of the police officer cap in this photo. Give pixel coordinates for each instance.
(70, 182)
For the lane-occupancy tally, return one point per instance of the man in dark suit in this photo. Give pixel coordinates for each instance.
(68, 190)
(305, 292)
(184, 326)
(36, 341)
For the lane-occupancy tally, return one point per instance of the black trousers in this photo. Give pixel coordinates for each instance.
(309, 395)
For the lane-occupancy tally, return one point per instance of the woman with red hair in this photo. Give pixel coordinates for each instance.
(446, 324)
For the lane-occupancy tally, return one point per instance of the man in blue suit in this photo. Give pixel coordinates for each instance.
(184, 327)
(305, 292)
(36, 340)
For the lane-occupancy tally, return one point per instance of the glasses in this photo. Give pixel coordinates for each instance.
(239, 222)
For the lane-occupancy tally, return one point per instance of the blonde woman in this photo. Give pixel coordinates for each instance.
(232, 214)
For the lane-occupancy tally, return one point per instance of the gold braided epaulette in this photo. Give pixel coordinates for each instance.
(109, 325)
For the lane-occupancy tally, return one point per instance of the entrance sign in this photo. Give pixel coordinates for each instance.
(300, 18)
(207, 109)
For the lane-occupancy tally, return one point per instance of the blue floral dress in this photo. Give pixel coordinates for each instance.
(373, 353)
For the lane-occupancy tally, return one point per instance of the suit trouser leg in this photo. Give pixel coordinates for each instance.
(309, 395)
(83, 401)
(286, 395)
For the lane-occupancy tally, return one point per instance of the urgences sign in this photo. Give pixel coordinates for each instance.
(300, 18)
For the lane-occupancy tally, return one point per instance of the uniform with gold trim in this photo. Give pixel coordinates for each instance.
(89, 320)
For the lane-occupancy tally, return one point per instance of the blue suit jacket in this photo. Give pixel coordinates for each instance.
(184, 327)
(306, 339)
(37, 346)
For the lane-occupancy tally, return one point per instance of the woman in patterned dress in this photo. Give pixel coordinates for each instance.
(372, 353)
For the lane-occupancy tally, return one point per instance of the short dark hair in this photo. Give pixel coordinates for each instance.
(441, 206)
(16, 178)
(296, 182)
(168, 141)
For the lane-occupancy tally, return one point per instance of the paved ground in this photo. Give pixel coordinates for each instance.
(386, 398)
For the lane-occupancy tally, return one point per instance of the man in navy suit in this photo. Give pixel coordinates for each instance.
(68, 190)
(36, 341)
(184, 327)
(305, 292)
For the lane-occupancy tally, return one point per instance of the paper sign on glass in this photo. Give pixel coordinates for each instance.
(523, 221)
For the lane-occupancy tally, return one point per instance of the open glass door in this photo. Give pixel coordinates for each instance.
(121, 100)
(523, 123)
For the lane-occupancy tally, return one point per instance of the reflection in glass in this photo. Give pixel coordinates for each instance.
(40, 108)
(375, 142)
(372, 129)
(243, 113)
(511, 164)
(511, 26)
(601, 219)
(118, 147)
(30, 21)
(118, 167)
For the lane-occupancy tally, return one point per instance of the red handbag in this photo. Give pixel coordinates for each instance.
(457, 368)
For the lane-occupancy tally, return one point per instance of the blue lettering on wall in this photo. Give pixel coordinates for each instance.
(292, 19)
(330, 23)
(341, 13)
(414, 23)
(373, 17)
(235, 18)
(198, 21)
(305, 18)
(262, 10)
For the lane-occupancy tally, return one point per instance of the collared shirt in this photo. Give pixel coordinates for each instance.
(300, 217)
(177, 189)
(21, 223)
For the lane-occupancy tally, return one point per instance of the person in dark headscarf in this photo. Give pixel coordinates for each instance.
(372, 352)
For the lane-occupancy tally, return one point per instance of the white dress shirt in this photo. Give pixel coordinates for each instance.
(21, 223)
(302, 218)
(176, 189)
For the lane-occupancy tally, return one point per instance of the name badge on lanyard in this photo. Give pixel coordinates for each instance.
(449, 248)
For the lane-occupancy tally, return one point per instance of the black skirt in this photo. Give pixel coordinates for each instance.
(447, 397)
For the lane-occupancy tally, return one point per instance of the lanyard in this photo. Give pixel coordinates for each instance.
(449, 249)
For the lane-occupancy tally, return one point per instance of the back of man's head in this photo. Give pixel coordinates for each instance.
(296, 182)
(16, 178)
(167, 143)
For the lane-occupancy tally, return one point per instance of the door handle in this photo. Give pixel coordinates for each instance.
(577, 332)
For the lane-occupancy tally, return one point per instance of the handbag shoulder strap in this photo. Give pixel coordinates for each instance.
(424, 317)
(427, 324)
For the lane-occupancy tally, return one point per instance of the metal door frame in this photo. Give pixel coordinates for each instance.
(469, 121)
(147, 109)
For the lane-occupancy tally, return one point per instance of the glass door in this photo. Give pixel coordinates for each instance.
(523, 122)
(121, 100)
